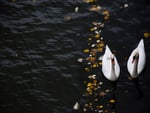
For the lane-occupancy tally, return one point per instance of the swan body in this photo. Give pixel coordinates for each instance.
(137, 60)
(110, 66)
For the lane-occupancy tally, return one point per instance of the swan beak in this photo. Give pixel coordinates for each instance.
(113, 61)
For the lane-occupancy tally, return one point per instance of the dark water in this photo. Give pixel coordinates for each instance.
(39, 72)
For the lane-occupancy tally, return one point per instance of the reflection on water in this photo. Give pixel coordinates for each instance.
(39, 49)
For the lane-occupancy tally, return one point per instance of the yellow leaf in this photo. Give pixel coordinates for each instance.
(94, 65)
(89, 84)
(92, 29)
(100, 63)
(87, 69)
(106, 17)
(100, 45)
(95, 8)
(94, 81)
(147, 34)
(97, 36)
(106, 13)
(86, 50)
(112, 101)
(101, 106)
(100, 49)
(89, 1)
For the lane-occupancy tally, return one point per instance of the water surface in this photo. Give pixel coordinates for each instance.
(39, 48)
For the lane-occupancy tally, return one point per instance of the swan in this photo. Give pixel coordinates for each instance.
(137, 60)
(110, 66)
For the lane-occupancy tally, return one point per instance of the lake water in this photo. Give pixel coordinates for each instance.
(40, 42)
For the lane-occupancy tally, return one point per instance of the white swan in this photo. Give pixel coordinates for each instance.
(137, 60)
(110, 66)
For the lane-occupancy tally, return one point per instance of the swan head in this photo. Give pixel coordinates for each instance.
(135, 57)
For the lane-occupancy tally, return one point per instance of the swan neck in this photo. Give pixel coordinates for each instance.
(113, 70)
(135, 68)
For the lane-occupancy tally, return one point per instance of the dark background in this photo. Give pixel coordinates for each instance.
(39, 48)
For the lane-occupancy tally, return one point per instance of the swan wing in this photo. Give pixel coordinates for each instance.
(142, 56)
(117, 68)
(141, 44)
(106, 63)
(130, 65)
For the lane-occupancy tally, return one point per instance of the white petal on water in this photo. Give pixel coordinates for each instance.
(80, 59)
(76, 106)
(126, 5)
(101, 38)
(76, 9)
(93, 45)
(100, 58)
(97, 41)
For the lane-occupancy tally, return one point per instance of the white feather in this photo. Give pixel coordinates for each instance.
(107, 65)
(141, 61)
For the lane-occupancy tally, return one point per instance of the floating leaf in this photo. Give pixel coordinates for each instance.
(93, 45)
(93, 29)
(90, 38)
(96, 99)
(95, 81)
(112, 101)
(92, 76)
(147, 34)
(80, 59)
(106, 17)
(86, 50)
(90, 1)
(98, 24)
(107, 90)
(94, 65)
(100, 83)
(76, 106)
(102, 93)
(100, 63)
(106, 111)
(106, 14)
(87, 69)
(76, 9)
(100, 107)
(100, 44)
(95, 8)
(91, 59)
(97, 35)
(126, 5)
(100, 49)
(67, 18)
(89, 84)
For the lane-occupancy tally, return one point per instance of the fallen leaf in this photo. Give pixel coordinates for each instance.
(112, 101)
(95, 8)
(97, 35)
(90, 1)
(86, 50)
(147, 34)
